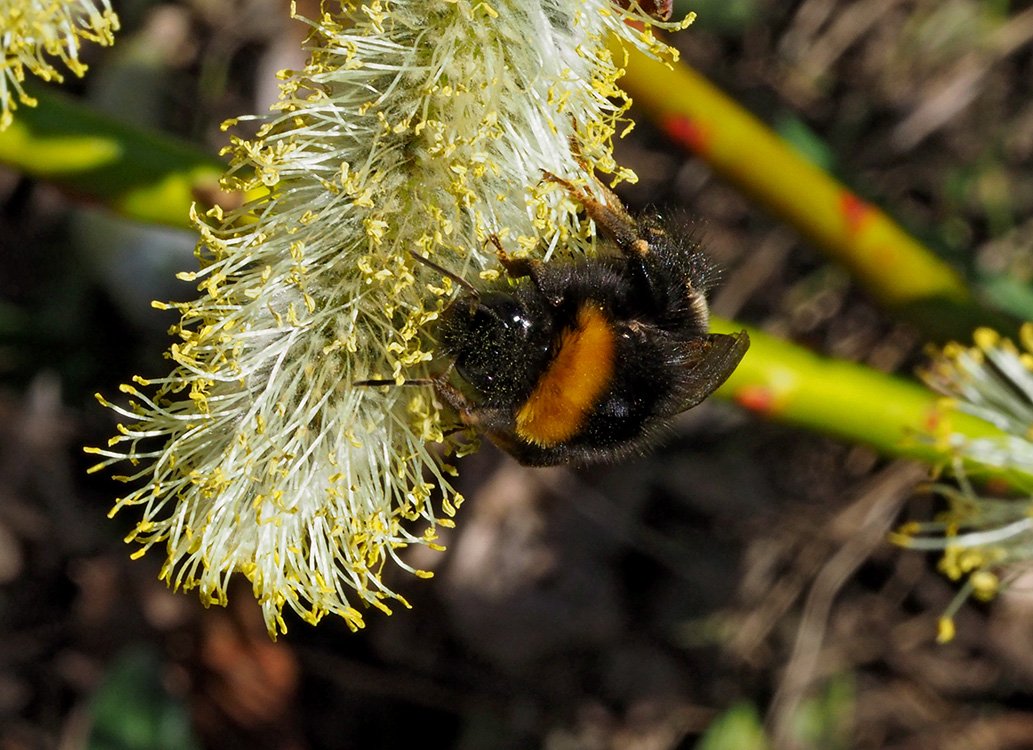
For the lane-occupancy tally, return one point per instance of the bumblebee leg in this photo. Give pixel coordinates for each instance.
(493, 422)
(455, 398)
(519, 268)
(611, 215)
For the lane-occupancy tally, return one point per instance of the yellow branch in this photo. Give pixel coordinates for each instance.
(896, 269)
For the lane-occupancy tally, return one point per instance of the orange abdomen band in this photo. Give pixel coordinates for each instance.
(572, 384)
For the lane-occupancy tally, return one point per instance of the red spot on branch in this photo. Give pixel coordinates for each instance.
(687, 132)
(855, 211)
(756, 398)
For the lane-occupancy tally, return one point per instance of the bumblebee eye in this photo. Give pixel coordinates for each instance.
(493, 315)
(505, 311)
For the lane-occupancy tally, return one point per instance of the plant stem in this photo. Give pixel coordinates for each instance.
(896, 416)
(153, 178)
(134, 172)
(896, 269)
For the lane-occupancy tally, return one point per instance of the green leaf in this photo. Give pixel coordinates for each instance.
(132, 710)
(721, 15)
(805, 142)
(826, 720)
(738, 728)
(1009, 294)
(138, 173)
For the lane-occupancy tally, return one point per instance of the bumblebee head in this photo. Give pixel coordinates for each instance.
(496, 342)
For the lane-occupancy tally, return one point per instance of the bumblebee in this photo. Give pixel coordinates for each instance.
(585, 362)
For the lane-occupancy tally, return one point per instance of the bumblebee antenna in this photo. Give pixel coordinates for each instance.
(384, 381)
(438, 381)
(445, 272)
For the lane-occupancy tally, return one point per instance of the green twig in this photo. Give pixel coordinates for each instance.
(896, 416)
(897, 270)
(137, 173)
(153, 178)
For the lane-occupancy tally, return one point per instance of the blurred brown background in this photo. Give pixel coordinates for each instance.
(740, 575)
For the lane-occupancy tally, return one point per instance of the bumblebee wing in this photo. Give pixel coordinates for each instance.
(705, 363)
